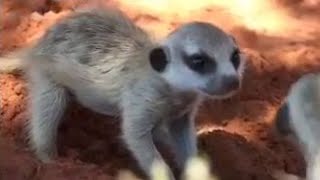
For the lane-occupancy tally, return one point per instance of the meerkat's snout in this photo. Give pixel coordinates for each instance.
(230, 83)
(227, 80)
(222, 87)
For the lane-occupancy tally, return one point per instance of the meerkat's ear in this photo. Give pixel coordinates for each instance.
(233, 38)
(158, 59)
(282, 120)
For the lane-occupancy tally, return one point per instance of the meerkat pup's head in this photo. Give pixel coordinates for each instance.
(200, 57)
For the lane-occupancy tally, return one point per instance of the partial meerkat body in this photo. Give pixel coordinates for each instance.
(113, 67)
(299, 117)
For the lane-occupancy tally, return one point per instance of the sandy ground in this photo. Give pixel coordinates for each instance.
(234, 133)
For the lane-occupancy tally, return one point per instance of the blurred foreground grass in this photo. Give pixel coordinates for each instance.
(197, 168)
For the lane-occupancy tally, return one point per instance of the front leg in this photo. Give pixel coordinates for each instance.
(184, 139)
(138, 124)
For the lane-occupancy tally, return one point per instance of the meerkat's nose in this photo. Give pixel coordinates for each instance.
(231, 82)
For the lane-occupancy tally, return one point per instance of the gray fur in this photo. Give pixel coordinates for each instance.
(103, 59)
(303, 120)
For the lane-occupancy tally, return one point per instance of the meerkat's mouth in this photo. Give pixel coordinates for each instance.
(221, 93)
(219, 96)
(225, 96)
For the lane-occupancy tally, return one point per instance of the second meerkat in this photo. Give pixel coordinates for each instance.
(113, 67)
(299, 120)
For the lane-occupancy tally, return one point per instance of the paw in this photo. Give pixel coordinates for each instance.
(46, 156)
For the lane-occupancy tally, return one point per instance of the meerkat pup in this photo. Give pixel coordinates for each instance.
(113, 67)
(299, 119)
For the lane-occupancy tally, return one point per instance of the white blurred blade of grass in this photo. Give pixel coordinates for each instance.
(159, 171)
(196, 168)
(127, 175)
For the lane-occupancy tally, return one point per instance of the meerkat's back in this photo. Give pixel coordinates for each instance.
(94, 54)
(92, 42)
(299, 117)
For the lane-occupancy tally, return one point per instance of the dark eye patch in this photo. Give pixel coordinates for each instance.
(200, 62)
(235, 58)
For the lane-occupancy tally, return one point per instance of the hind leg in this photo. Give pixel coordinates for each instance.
(48, 103)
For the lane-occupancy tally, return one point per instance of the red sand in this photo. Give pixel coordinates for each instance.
(243, 148)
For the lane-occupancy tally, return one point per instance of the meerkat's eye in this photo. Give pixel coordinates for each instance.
(235, 59)
(200, 62)
(197, 61)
